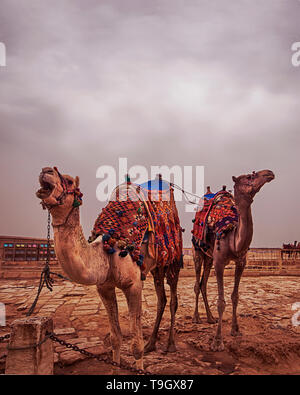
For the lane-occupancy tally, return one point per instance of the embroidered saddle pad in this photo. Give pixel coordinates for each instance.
(135, 213)
(218, 215)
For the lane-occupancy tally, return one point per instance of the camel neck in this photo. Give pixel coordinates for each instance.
(72, 221)
(71, 231)
(244, 231)
(74, 253)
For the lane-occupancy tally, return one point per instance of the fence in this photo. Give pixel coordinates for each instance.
(261, 261)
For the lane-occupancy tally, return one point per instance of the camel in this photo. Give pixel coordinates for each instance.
(232, 247)
(88, 264)
(290, 250)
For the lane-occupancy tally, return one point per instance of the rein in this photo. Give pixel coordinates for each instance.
(60, 199)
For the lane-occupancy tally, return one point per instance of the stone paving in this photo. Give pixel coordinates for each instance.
(80, 318)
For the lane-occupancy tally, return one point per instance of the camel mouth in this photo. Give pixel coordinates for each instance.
(270, 176)
(46, 188)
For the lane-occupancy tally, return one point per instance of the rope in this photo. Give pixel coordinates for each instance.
(185, 195)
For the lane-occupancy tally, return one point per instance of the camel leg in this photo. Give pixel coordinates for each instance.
(198, 265)
(134, 301)
(172, 280)
(203, 287)
(108, 297)
(239, 268)
(158, 276)
(217, 344)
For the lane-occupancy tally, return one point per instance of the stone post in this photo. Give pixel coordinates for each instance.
(22, 357)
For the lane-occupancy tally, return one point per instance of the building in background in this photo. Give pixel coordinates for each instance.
(22, 257)
(24, 249)
(15, 248)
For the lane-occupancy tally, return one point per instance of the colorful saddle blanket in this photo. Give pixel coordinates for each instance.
(132, 213)
(218, 215)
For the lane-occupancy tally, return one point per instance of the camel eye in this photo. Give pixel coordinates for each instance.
(249, 177)
(70, 182)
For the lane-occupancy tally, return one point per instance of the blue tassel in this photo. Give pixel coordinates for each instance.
(105, 237)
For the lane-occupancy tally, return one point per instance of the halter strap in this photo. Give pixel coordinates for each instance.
(76, 192)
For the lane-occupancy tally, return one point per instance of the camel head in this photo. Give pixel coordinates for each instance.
(248, 185)
(58, 193)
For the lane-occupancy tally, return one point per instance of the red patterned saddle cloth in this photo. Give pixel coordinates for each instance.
(218, 215)
(134, 213)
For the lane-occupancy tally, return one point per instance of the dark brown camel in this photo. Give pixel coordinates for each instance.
(290, 250)
(233, 247)
(171, 273)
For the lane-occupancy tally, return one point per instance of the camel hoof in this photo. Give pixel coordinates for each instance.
(236, 333)
(139, 364)
(149, 347)
(196, 319)
(212, 320)
(217, 345)
(171, 348)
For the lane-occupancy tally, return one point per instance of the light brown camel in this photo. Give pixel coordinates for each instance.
(232, 247)
(87, 263)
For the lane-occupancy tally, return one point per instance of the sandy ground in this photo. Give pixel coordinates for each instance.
(270, 343)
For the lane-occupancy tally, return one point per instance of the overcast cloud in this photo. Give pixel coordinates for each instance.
(166, 82)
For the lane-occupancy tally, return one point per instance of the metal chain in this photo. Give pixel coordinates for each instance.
(45, 278)
(106, 359)
(48, 280)
(30, 345)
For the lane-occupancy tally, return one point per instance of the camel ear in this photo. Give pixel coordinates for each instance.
(77, 181)
(234, 179)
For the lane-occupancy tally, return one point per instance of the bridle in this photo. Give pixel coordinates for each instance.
(61, 198)
(246, 196)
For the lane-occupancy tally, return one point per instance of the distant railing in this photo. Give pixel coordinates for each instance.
(263, 261)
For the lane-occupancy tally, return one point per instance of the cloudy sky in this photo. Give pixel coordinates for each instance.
(168, 82)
